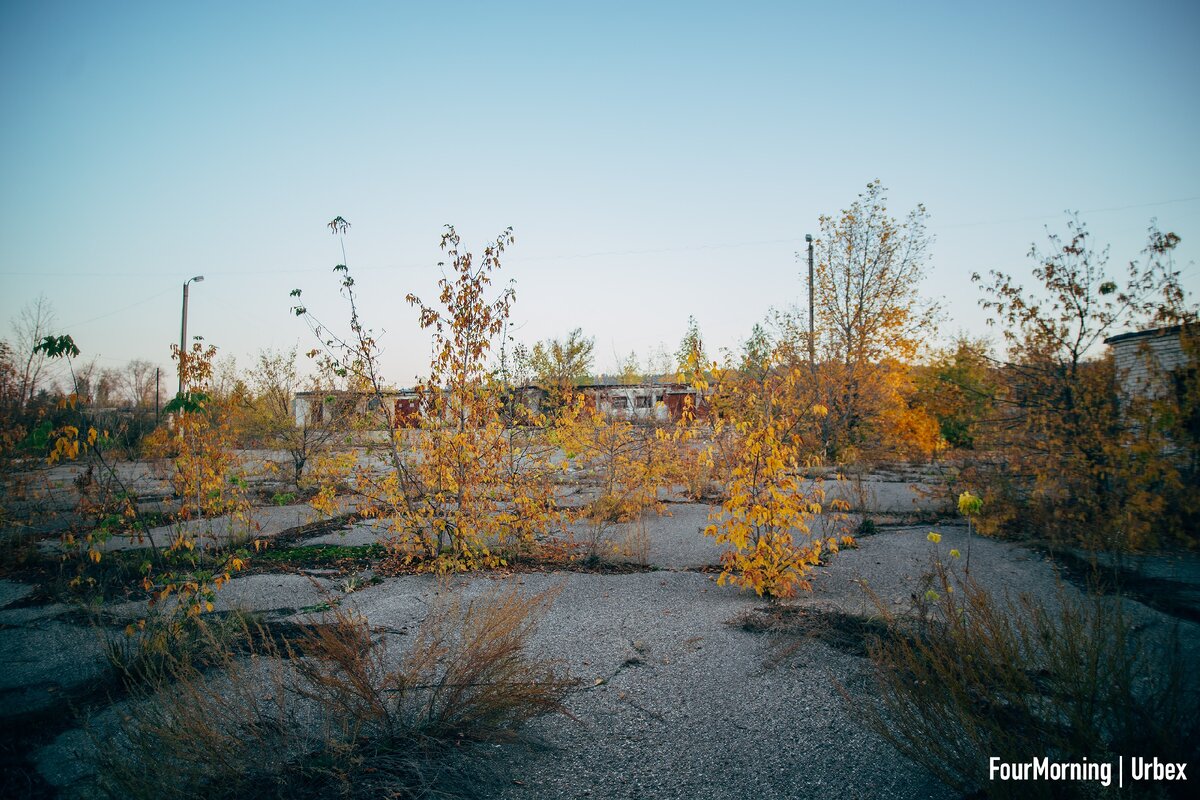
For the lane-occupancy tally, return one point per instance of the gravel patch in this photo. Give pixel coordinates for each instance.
(12, 592)
(673, 700)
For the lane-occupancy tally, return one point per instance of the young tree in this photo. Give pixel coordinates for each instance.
(1082, 468)
(758, 430)
(690, 353)
(35, 322)
(108, 506)
(469, 480)
(11, 431)
(660, 364)
(560, 364)
(269, 417)
(207, 473)
(870, 316)
(630, 464)
(959, 388)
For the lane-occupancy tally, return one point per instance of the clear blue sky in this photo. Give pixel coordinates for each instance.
(655, 159)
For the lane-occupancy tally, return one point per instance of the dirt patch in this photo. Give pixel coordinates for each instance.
(848, 633)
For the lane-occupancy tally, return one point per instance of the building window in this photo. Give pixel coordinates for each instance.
(620, 404)
(642, 401)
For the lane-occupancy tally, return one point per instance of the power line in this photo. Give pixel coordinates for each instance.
(1059, 214)
(118, 311)
(609, 253)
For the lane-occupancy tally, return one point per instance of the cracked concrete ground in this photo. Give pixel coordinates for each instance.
(673, 702)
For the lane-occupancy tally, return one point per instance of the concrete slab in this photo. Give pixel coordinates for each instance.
(39, 663)
(265, 594)
(29, 615)
(360, 533)
(12, 592)
(674, 702)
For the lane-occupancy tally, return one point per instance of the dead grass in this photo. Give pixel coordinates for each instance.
(330, 712)
(970, 676)
(152, 650)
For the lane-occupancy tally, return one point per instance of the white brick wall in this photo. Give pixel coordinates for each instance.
(1144, 363)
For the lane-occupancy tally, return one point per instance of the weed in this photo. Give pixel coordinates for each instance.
(970, 677)
(335, 713)
(154, 648)
(320, 554)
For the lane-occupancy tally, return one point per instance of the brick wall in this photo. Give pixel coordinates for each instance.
(1144, 363)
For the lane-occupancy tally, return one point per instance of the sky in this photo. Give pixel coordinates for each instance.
(655, 160)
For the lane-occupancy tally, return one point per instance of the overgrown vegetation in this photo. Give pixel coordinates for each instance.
(1070, 459)
(969, 676)
(470, 483)
(465, 472)
(332, 713)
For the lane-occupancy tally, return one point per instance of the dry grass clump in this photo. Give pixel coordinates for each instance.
(329, 713)
(970, 677)
(159, 646)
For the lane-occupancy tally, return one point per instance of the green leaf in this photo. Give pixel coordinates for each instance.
(57, 347)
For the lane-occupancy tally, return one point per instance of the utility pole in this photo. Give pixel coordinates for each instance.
(183, 330)
(812, 339)
(157, 392)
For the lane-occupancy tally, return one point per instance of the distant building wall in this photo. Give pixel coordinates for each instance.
(644, 402)
(640, 402)
(1147, 361)
(313, 409)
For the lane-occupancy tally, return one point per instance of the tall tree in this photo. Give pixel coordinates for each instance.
(631, 371)
(268, 415)
(958, 388)
(870, 316)
(757, 352)
(137, 383)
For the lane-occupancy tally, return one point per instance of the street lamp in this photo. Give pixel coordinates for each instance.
(812, 339)
(183, 330)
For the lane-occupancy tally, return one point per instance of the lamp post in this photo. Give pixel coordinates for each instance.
(183, 330)
(812, 340)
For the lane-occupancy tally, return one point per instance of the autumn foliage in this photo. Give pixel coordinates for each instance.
(470, 484)
(768, 512)
(1075, 460)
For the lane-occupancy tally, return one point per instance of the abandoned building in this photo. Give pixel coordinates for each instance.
(649, 402)
(646, 402)
(314, 409)
(1151, 364)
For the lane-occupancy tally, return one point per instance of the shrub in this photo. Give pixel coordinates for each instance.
(970, 677)
(465, 488)
(328, 712)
